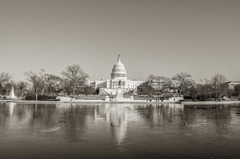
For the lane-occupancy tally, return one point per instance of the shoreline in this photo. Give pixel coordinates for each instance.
(85, 102)
(210, 102)
(119, 102)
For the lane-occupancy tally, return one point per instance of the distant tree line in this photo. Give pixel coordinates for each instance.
(42, 86)
(73, 81)
(182, 84)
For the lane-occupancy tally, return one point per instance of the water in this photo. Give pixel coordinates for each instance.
(38, 131)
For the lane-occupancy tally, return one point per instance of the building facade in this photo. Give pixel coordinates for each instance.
(232, 84)
(118, 80)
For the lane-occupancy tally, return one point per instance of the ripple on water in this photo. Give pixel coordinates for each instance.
(50, 130)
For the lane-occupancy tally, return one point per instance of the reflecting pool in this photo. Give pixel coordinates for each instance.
(66, 130)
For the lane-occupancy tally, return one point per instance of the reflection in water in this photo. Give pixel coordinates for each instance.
(11, 108)
(135, 129)
(50, 130)
(118, 115)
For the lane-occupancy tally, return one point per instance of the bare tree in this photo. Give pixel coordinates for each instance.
(6, 83)
(35, 81)
(151, 77)
(219, 85)
(76, 77)
(5, 78)
(53, 84)
(160, 83)
(218, 79)
(22, 87)
(42, 80)
(182, 82)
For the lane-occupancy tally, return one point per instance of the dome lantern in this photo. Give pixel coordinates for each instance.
(119, 71)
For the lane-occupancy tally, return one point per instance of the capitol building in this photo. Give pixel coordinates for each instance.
(118, 81)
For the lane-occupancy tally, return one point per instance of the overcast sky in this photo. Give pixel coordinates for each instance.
(160, 37)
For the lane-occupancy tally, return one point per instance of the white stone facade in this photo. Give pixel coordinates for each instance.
(118, 80)
(232, 84)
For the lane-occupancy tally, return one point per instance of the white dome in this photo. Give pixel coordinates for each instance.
(119, 71)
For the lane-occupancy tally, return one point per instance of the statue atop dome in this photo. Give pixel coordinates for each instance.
(119, 71)
(118, 57)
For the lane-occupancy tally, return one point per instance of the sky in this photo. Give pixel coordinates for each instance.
(160, 37)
